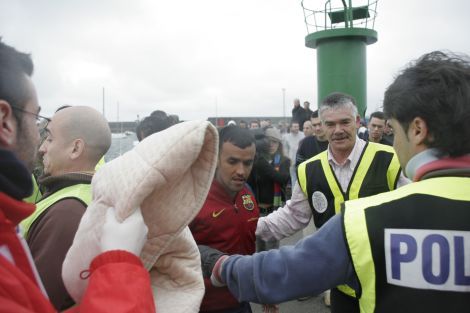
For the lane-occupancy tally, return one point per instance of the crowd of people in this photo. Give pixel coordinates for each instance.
(388, 198)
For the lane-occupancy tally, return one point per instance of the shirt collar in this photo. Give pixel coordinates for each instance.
(353, 157)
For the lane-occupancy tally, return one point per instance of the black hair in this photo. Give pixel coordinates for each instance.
(377, 114)
(14, 65)
(156, 122)
(255, 121)
(436, 88)
(240, 137)
(314, 114)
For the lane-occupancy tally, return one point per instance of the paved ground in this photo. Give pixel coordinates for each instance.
(313, 305)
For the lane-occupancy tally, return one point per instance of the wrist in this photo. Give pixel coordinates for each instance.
(216, 277)
(114, 256)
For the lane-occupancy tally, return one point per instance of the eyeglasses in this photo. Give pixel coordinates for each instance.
(41, 121)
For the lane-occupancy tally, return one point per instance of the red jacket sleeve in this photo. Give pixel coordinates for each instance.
(118, 283)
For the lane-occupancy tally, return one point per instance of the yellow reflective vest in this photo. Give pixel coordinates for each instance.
(377, 171)
(410, 248)
(36, 192)
(81, 192)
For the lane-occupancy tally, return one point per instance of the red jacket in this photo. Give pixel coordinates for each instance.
(118, 281)
(227, 225)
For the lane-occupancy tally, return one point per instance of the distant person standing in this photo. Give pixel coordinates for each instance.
(154, 123)
(312, 145)
(268, 179)
(375, 128)
(388, 131)
(307, 129)
(291, 144)
(242, 124)
(254, 124)
(308, 113)
(298, 112)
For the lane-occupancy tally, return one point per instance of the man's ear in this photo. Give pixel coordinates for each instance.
(78, 147)
(418, 132)
(8, 125)
(358, 121)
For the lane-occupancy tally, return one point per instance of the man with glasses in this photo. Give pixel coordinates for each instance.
(117, 273)
(76, 139)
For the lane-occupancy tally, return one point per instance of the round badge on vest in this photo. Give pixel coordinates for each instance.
(320, 204)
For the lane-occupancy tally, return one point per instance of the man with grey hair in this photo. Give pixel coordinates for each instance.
(349, 169)
(77, 138)
(404, 250)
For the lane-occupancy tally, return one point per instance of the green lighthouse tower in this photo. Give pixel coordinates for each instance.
(340, 32)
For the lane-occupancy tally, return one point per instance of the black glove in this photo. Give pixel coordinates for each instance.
(209, 257)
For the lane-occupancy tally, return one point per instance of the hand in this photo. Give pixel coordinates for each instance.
(211, 263)
(130, 235)
(209, 257)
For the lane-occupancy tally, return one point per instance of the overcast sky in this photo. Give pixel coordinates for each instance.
(202, 58)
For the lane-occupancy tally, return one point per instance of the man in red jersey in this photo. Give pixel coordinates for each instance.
(227, 221)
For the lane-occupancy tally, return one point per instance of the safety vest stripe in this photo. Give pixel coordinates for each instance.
(302, 177)
(332, 182)
(79, 191)
(361, 171)
(357, 238)
(36, 192)
(393, 173)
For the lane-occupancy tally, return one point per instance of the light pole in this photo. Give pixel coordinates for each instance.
(216, 114)
(284, 104)
(104, 115)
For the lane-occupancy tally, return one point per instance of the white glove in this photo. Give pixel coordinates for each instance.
(130, 235)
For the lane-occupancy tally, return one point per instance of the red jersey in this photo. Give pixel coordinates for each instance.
(228, 225)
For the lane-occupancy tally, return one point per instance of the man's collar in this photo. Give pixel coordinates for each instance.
(420, 159)
(428, 164)
(353, 157)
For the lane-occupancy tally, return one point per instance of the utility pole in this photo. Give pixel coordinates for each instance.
(104, 115)
(284, 104)
(216, 114)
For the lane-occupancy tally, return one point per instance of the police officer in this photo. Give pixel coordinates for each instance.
(350, 168)
(402, 251)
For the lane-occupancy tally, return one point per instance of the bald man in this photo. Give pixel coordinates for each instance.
(77, 138)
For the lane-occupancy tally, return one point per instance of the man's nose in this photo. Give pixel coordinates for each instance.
(240, 169)
(42, 148)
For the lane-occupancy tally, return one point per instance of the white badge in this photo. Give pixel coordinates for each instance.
(319, 202)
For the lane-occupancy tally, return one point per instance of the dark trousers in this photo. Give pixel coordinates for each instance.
(342, 303)
(243, 308)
